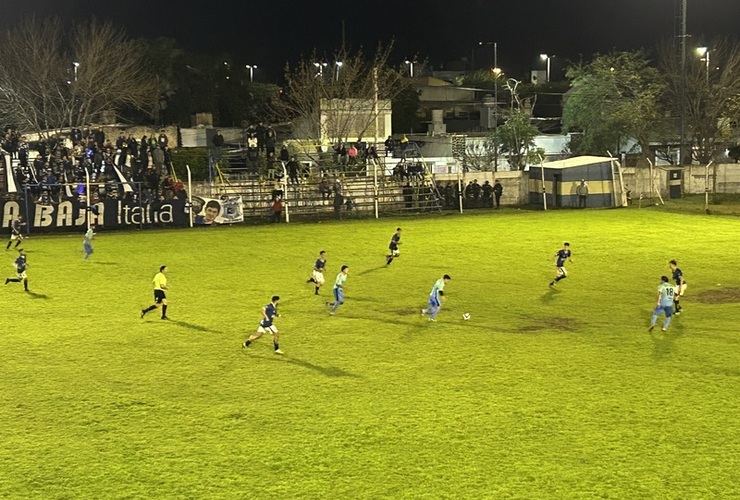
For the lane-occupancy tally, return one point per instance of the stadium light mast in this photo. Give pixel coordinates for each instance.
(546, 58)
(703, 53)
(251, 68)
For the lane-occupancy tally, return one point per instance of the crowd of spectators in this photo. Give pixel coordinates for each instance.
(57, 170)
(474, 195)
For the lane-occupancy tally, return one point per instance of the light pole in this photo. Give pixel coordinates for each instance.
(682, 88)
(76, 65)
(547, 58)
(703, 53)
(251, 68)
(320, 67)
(339, 66)
(410, 64)
(495, 48)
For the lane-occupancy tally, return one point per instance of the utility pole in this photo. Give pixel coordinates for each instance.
(682, 90)
(496, 73)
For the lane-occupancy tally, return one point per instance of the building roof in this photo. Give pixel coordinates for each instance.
(578, 161)
(430, 81)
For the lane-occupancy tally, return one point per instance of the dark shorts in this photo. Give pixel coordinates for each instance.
(159, 296)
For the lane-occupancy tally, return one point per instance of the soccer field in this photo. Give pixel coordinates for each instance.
(543, 393)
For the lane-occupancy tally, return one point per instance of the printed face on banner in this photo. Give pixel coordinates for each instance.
(210, 211)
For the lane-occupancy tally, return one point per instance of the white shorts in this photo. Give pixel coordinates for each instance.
(22, 275)
(272, 330)
(562, 271)
(395, 252)
(318, 277)
(680, 289)
(14, 237)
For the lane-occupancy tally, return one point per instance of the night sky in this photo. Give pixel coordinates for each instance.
(268, 33)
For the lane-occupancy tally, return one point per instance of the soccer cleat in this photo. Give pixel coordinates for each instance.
(423, 312)
(143, 312)
(432, 319)
(552, 284)
(165, 318)
(331, 313)
(651, 328)
(664, 329)
(245, 345)
(7, 281)
(278, 351)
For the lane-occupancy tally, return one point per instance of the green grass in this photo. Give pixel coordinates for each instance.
(542, 394)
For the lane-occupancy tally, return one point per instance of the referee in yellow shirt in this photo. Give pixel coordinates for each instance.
(160, 299)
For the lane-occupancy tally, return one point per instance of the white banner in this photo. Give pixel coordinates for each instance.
(211, 211)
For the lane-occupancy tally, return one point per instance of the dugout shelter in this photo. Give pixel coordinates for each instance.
(560, 179)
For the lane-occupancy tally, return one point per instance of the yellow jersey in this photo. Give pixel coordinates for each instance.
(160, 281)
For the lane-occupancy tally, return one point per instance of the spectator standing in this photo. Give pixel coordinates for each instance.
(218, 144)
(498, 190)
(582, 192)
(284, 154)
(99, 137)
(338, 202)
(487, 195)
(163, 140)
(390, 145)
(75, 135)
(476, 193)
(277, 209)
(293, 168)
(261, 132)
(270, 144)
(158, 160)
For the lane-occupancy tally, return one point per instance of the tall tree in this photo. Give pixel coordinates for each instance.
(614, 98)
(53, 76)
(336, 100)
(712, 93)
(515, 138)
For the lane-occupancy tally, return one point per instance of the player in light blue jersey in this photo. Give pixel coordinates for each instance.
(664, 305)
(435, 298)
(338, 290)
(87, 242)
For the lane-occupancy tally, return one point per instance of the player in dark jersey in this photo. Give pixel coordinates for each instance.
(20, 270)
(15, 232)
(680, 285)
(269, 312)
(317, 276)
(560, 258)
(393, 247)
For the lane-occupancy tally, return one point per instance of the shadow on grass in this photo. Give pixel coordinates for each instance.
(191, 326)
(35, 295)
(364, 299)
(548, 296)
(368, 271)
(664, 343)
(104, 263)
(328, 371)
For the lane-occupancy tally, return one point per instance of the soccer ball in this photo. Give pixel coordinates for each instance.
(466, 316)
